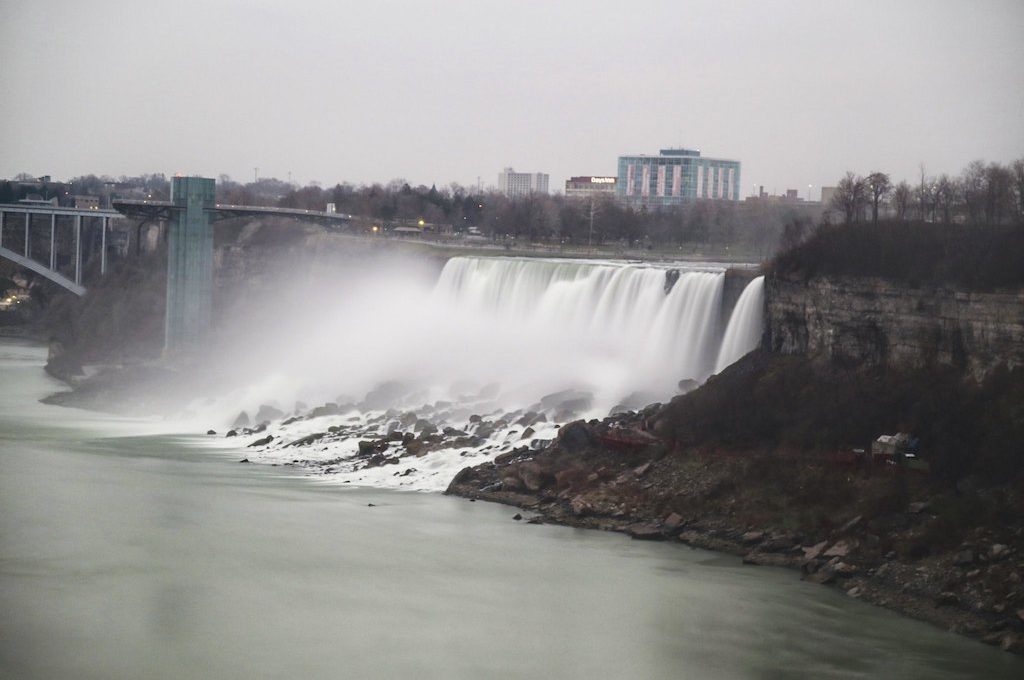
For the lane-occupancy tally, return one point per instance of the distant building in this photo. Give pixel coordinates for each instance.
(589, 186)
(512, 183)
(674, 177)
(87, 202)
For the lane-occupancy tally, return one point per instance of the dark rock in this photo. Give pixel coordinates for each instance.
(475, 419)
(268, 412)
(244, 460)
(687, 385)
(998, 551)
(328, 409)
(672, 523)
(385, 395)
(849, 526)
(264, 441)
(645, 532)
(371, 505)
(575, 436)
(517, 517)
(917, 508)
(532, 476)
(752, 537)
(527, 433)
(293, 419)
(964, 558)
(947, 599)
(424, 427)
(231, 433)
(211, 432)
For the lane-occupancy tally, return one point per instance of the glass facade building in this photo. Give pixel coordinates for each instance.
(674, 177)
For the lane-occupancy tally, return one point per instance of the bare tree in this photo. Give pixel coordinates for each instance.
(851, 197)
(1018, 187)
(998, 194)
(902, 196)
(975, 187)
(947, 196)
(879, 186)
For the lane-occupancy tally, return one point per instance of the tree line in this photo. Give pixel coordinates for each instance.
(984, 193)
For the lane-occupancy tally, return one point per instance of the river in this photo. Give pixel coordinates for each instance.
(130, 554)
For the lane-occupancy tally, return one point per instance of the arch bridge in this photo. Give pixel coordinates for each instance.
(190, 213)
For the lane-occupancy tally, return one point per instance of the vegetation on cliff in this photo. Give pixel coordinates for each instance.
(917, 254)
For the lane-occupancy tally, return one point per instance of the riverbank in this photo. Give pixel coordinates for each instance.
(895, 539)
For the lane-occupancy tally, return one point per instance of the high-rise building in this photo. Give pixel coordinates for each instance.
(512, 183)
(676, 176)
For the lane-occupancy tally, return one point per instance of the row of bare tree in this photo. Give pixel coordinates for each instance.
(982, 194)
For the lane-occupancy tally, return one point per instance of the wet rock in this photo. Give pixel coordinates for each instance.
(527, 433)
(517, 517)
(231, 433)
(268, 412)
(511, 483)
(687, 385)
(384, 395)
(475, 418)
(849, 526)
(575, 436)
(244, 460)
(532, 476)
(673, 523)
(965, 557)
(211, 432)
(263, 442)
(424, 427)
(308, 439)
(328, 409)
(998, 551)
(241, 420)
(293, 419)
(838, 549)
(752, 537)
(645, 532)
(947, 599)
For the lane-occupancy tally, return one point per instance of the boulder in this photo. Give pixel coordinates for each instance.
(211, 432)
(814, 551)
(328, 409)
(575, 436)
(231, 433)
(838, 549)
(532, 476)
(645, 532)
(947, 599)
(964, 558)
(672, 523)
(998, 551)
(752, 537)
(268, 412)
(527, 433)
(264, 441)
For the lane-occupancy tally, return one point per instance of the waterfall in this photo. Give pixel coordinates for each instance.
(746, 325)
(523, 328)
(619, 315)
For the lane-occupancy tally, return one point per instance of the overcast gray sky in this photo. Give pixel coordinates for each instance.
(451, 90)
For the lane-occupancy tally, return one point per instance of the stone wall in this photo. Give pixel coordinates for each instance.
(869, 321)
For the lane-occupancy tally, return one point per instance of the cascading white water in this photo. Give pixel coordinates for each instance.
(615, 315)
(521, 344)
(746, 324)
(531, 327)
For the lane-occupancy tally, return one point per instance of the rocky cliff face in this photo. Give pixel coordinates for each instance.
(870, 321)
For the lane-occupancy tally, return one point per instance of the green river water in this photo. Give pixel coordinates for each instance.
(128, 554)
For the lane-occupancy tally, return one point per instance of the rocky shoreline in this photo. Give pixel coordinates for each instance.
(876, 550)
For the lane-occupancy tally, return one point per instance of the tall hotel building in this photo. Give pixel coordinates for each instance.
(512, 183)
(676, 176)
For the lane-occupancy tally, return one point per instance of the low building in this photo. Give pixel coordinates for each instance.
(589, 186)
(87, 202)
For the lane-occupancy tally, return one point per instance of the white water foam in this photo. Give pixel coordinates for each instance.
(492, 338)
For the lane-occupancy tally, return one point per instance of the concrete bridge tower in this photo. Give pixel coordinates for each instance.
(189, 264)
